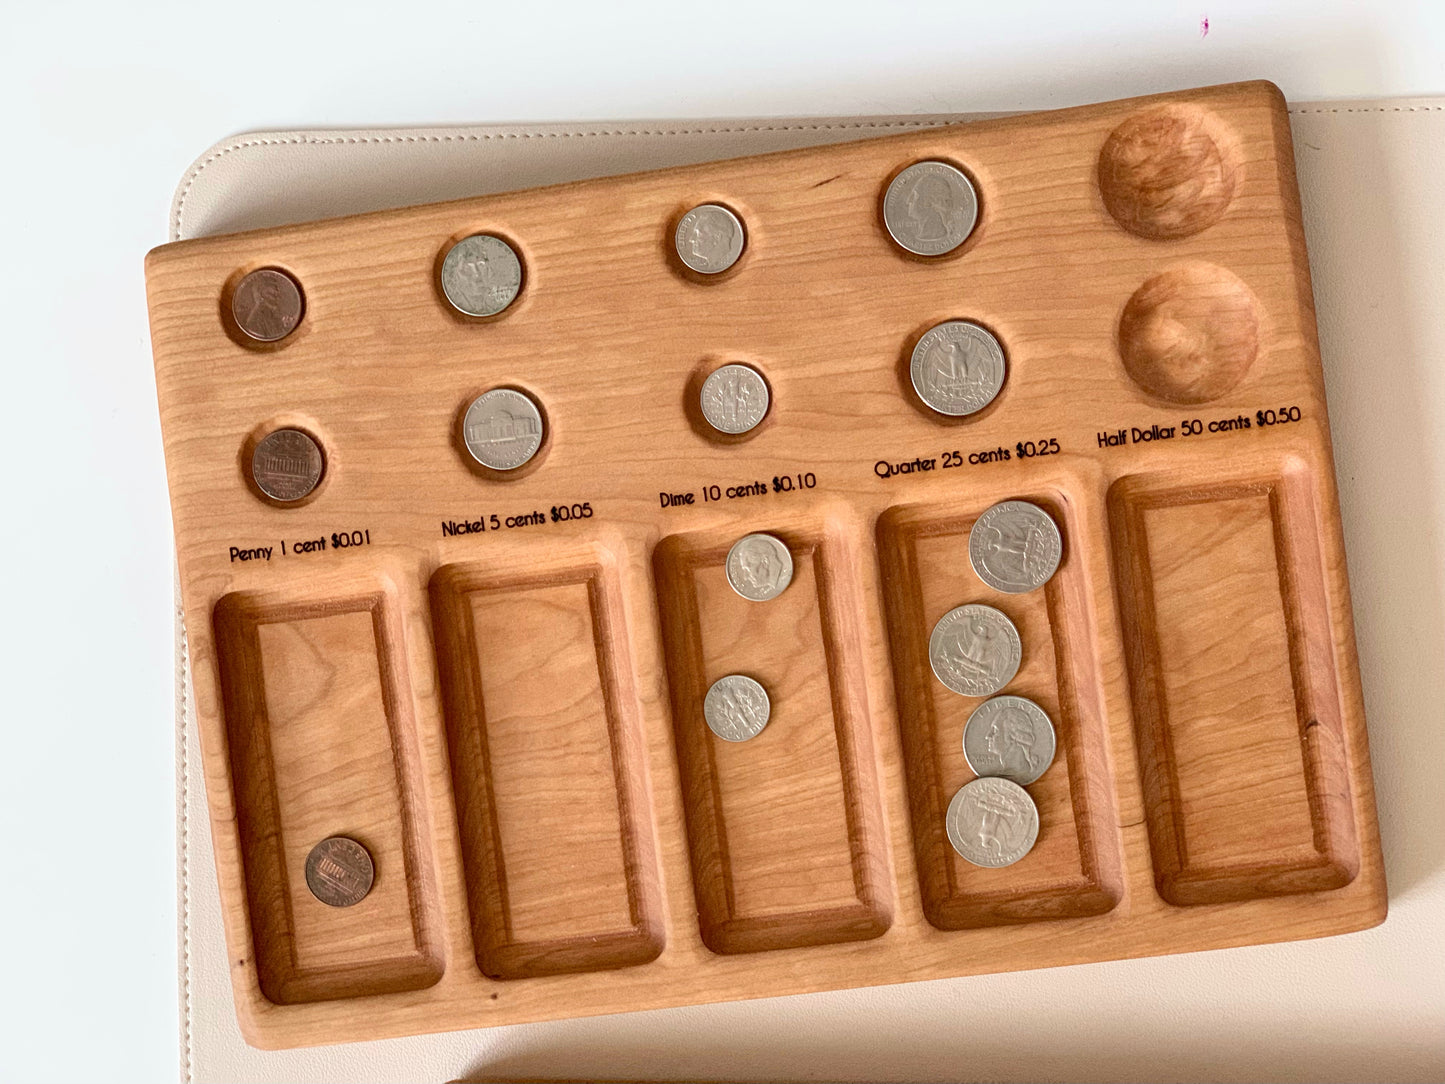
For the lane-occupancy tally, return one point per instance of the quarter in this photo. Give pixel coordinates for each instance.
(286, 465)
(503, 429)
(759, 567)
(734, 398)
(975, 650)
(1010, 737)
(957, 368)
(267, 305)
(736, 708)
(930, 208)
(1015, 547)
(339, 871)
(992, 822)
(481, 275)
(709, 239)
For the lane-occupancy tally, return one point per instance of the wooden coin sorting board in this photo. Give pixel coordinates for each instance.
(505, 708)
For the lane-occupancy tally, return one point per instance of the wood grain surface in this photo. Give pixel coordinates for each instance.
(510, 713)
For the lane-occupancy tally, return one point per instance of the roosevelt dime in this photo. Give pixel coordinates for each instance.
(709, 239)
(1010, 737)
(930, 208)
(267, 305)
(1015, 546)
(481, 275)
(339, 871)
(734, 398)
(957, 368)
(286, 465)
(736, 708)
(503, 429)
(992, 822)
(975, 650)
(759, 567)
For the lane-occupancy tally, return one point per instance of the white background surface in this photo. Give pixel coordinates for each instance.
(104, 105)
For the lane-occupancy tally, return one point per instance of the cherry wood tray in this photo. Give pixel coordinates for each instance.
(509, 718)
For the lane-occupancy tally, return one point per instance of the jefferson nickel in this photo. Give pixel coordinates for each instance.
(1015, 547)
(957, 368)
(736, 708)
(759, 567)
(975, 650)
(930, 208)
(734, 398)
(339, 871)
(503, 429)
(709, 239)
(286, 465)
(1010, 737)
(992, 822)
(481, 275)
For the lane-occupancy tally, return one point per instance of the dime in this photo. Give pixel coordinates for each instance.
(759, 567)
(736, 708)
(992, 822)
(267, 305)
(481, 275)
(1015, 547)
(1010, 737)
(286, 465)
(709, 238)
(339, 871)
(930, 208)
(503, 429)
(734, 398)
(957, 368)
(975, 650)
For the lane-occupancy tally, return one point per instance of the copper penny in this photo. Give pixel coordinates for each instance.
(339, 872)
(267, 305)
(286, 465)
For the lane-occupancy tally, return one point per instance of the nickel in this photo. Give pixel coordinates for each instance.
(267, 305)
(930, 208)
(759, 567)
(503, 429)
(1015, 547)
(339, 871)
(736, 708)
(481, 275)
(709, 238)
(1009, 737)
(975, 650)
(957, 368)
(734, 398)
(286, 465)
(992, 822)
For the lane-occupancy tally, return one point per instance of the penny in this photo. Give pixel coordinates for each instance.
(734, 398)
(930, 208)
(481, 275)
(339, 872)
(1010, 737)
(759, 567)
(992, 822)
(975, 650)
(736, 708)
(286, 465)
(709, 239)
(502, 429)
(267, 305)
(957, 368)
(1015, 547)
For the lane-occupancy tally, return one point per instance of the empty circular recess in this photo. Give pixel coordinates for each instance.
(1169, 171)
(1189, 334)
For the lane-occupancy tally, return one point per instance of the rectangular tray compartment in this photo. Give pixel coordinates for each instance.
(814, 869)
(548, 765)
(1236, 701)
(320, 732)
(1074, 869)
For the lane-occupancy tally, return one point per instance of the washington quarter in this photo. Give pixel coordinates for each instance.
(957, 368)
(992, 822)
(930, 208)
(1010, 737)
(709, 238)
(734, 398)
(267, 305)
(975, 650)
(339, 871)
(502, 429)
(481, 275)
(759, 567)
(736, 708)
(1015, 547)
(286, 465)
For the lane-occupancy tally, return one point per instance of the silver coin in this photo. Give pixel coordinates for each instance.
(734, 398)
(992, 822)
(975, 650)
(1010, 737)
(930, 208)
(286, 465)
(736, 708)
(481, 275)
(502, 429)
(759, 567)
(709, 238)
(957, 368)
(1015, 547)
